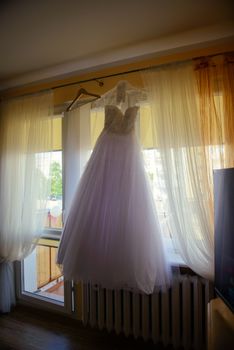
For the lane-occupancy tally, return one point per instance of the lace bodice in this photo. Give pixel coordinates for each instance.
(118, 122)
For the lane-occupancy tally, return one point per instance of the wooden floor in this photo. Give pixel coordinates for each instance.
(29, 329)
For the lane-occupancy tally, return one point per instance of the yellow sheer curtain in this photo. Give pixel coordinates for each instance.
(228, 105)
(215, 79)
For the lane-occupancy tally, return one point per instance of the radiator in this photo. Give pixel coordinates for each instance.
(176, 317)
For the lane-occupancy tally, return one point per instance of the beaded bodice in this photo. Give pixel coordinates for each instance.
(118, 122)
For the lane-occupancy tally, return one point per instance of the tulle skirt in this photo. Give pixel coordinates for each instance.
(112, 235)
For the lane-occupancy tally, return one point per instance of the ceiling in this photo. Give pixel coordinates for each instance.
(53, 38)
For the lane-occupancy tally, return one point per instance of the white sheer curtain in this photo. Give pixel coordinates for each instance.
(25, 139)
(177, 136)
(77, 148)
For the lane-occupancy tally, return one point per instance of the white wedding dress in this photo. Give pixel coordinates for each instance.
(112, 235)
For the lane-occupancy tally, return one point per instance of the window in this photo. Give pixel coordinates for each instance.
(41, 278)
(153, 168)
(41, 275)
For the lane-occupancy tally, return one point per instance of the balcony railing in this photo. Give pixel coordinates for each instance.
(47, 270)
(42, 276)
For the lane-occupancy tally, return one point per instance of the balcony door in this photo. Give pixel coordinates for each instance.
(39, 279)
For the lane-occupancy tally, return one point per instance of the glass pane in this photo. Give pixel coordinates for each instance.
(153, 167)
(41, 274)
(54, 204)
(50, 166)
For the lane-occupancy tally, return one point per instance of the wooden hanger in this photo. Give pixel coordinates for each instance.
(81, 92)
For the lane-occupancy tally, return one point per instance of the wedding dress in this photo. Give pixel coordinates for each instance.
(112, 235)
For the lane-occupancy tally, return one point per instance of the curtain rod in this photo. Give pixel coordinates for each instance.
(81, 82)
(114, 75)
(87, 80)
(102, 77)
